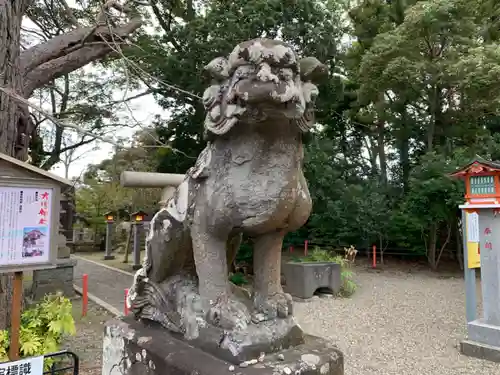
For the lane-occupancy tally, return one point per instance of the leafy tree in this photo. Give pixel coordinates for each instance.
(82, 35)
(413, 95)
(427, 216)
(177, 55)
(100, 191)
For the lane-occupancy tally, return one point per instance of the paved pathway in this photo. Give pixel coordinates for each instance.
(106, 283)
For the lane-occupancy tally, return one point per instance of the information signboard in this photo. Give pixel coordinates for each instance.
(26, 366)
(25, 226)
(472, 235)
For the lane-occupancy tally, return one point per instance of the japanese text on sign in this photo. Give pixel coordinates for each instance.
(473, 227)
(25, 215)
(27, 366)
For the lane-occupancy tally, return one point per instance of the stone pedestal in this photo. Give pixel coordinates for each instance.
(134, 348)
(50, 281)
(484, 333)
(302, 279)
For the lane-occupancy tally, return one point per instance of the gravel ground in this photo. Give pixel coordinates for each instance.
(397, 323)
(87, 343)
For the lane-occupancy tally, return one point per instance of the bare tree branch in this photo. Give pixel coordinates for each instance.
(76, 145)
(69, 13)
(34, 32)
(67, 63)
(165, 25)
(130, 98)
(63, 44)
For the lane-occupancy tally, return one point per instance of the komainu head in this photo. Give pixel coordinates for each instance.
(262, 79)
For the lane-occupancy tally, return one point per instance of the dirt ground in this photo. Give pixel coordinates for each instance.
(87, 343)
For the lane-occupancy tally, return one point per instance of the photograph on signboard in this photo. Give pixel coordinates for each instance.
(25, 215)
(34, 240)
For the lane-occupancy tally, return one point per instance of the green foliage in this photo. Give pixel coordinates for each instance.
(319, 255)
(413, 96)
(100, 190)
(4, 345)
(238, 279)
(42, 328)
(347, 208)
(245, 252)
(178, 55)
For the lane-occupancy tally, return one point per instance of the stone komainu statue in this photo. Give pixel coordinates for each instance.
(248, 180)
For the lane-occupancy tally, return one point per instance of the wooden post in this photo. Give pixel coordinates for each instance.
(125, 306)
(374, 257)
(137, 246)
(85, 294)
(127, 246)
(15, 317)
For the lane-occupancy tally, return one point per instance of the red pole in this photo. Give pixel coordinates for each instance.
(374, 257)
(125, 307)
(291, 249)
(85, 293)
(306, 242)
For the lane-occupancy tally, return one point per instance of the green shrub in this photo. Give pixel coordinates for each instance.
(238, 279)
(43, 327)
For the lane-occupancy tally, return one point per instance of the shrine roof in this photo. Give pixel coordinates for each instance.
(478, 165)
(23, 165)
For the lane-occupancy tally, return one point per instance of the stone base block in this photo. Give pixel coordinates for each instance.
(481, 351)
(303, 279)
(109, 257)
(53, 280)
(134, 348)
(485, 333)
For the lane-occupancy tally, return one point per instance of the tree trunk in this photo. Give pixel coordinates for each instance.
(460, 250)
(127, 246)
(405, 163)
(380, 129)
(11, 12)
(431, 249)
(434, 114)
(10, 74)
(370, 145)
(381, 151)
(22, 73)
(404, 149)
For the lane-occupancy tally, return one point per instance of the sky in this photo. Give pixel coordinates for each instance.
(144, 109)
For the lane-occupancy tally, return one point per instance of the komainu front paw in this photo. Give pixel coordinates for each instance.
(278, 305)
(229, 314)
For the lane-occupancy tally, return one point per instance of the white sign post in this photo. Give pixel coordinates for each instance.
(26, 242)
(30, 200)
(26, 366)
(25, 226)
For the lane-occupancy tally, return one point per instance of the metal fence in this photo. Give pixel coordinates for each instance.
(59, 365)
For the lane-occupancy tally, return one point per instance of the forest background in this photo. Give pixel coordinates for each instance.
(413, 94)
